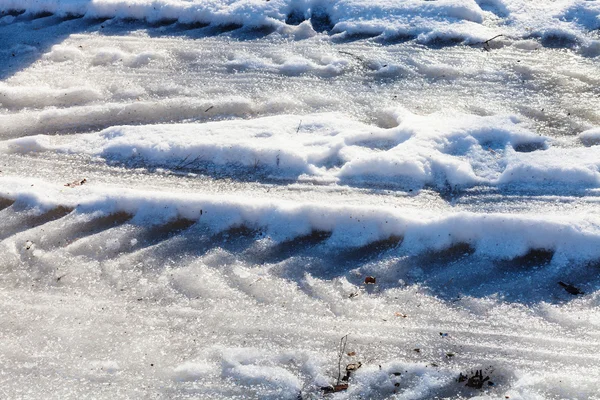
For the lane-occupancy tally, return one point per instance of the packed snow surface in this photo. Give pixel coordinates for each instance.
(201, 199)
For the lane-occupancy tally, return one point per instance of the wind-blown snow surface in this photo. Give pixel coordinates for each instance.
(193, 193)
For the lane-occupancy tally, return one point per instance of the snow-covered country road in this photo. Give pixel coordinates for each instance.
(199, 199)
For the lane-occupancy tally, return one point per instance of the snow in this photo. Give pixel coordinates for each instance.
(590, 137)
(199, 199)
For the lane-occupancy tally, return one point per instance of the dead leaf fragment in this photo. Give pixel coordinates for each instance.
(352, 354)
(353, 367)
(399, 314)
(335, 388)
(370, 280)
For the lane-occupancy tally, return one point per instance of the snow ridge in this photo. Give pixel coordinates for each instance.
(498, 236)
(445, 152)
(443, 20)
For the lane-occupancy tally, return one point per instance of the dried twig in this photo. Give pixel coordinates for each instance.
(183, 164)
(361, 59)
(486, 43)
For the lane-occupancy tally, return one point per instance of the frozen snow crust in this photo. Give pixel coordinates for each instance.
(565, 21)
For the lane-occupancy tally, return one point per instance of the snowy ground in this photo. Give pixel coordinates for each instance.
(248, 164)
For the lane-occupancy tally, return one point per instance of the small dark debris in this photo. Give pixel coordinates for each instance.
(370, 280)
(334, 388)
(76, 183)
(396, 384)
(450, 355)
(475, 381)
(571, 289)
(417, 350)
(396, 373)
(442, 334)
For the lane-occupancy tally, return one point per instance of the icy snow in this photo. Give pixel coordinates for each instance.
(248, 164)
(220, 298)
